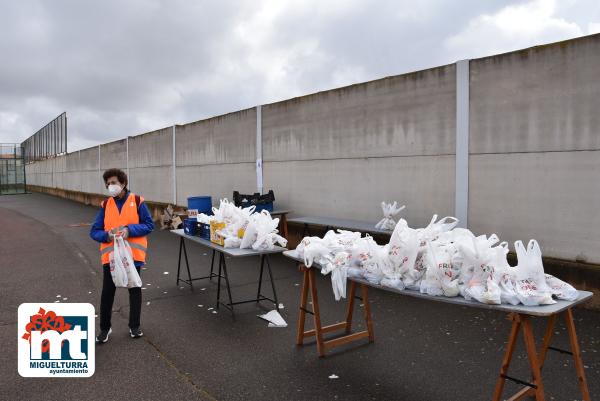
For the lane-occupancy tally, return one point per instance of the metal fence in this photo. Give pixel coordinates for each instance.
(50, 140)
(12, 169)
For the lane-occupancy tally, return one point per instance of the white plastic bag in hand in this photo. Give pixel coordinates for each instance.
(389, 211)
(117, 270)
(530, 282)
(123, 259)
(133, 278)
(561, 289)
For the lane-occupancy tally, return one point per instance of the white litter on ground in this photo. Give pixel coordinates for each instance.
(148, 303)
(211, 308)
(64, 299)
(56, 302)
(165, 272)
(89, 292)
(334, 377)
(143, 288)
(281, 306)
(202, 289)
(58, 296)
(215, 312)
(164, 292)
(200, 306)
(274, 319)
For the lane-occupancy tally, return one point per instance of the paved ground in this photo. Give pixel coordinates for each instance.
(423, 350)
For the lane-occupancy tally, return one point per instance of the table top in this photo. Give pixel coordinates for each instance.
(346, 224)
(542, 310)
(233, 252)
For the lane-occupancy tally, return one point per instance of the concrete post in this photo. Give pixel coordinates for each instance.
(259, 162)
(127, 160)
(461, 205)
(174, 177)
(99, 164)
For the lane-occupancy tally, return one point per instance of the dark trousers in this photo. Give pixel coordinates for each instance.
(108, 296)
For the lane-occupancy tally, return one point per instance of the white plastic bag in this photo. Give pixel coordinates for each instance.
(481, 258)
(117, 269)
(561, 289)
(232, 242)
(530, 281)
(440, 278)
(403, 249)
(123, 261)
(266, 232)
(389, 211)
(250, 234)
(371, 257)
(339, 274)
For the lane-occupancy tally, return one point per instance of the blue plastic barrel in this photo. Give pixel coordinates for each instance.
(202, 203)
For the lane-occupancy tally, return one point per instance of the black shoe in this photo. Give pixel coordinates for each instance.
(135, 333)
(103, 336)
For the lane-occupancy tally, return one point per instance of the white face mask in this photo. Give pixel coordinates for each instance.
(114, 190)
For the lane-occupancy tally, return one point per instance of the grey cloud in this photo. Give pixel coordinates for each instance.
(123, 68)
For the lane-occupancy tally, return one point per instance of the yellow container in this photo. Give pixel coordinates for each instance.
(241, 233)
(214, 237)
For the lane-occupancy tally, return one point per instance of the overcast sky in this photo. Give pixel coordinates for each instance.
(122, 68)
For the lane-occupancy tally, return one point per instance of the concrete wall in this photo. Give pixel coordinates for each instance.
(216, 156)
(534, 143)
(340, 153)
(533, 166)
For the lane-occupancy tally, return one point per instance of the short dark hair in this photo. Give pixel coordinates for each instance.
(115, 172)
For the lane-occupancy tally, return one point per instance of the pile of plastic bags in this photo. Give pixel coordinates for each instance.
(244, 228)
(438, 260)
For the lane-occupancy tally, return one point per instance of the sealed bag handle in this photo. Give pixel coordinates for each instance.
(533, 248)
(520, 250)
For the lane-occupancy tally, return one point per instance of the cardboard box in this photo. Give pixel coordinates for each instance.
(214, 237)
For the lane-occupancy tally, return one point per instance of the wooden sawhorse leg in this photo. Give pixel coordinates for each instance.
(309, 284)
(536, 360)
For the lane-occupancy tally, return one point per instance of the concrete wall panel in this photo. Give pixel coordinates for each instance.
(230, 138)
(151, 149)
(113, 154)
(410, 114)
(545, 98)
(153, 183)
(354, 188)
(552, 197)
(218, 181)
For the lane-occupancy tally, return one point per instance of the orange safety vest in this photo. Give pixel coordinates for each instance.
(114, 219)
